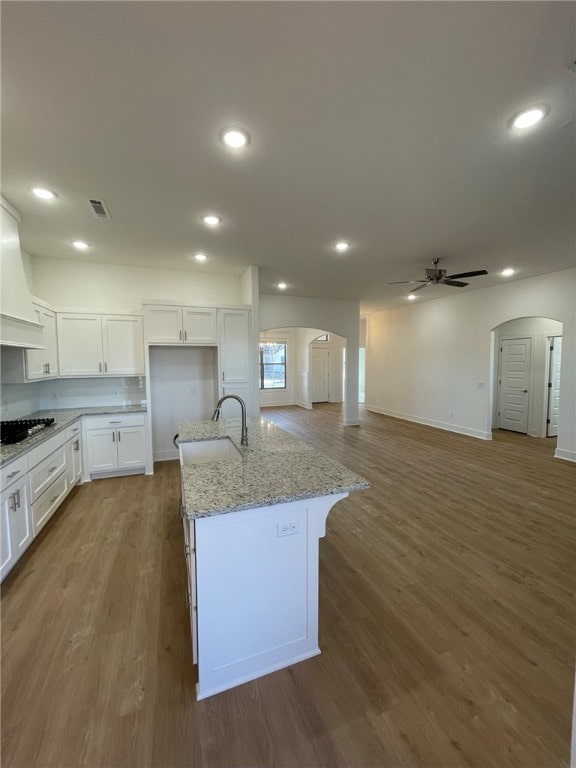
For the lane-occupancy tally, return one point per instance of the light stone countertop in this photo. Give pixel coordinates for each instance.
(63, 417)
(274, 468)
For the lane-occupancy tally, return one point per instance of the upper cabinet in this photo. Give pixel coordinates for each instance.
(100, 345)
(235, 345)
(43, 363)
(181, 325)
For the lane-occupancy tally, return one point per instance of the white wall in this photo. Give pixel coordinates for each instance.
(538, 329)
(428, 360)
(67, 283)
(334, 316)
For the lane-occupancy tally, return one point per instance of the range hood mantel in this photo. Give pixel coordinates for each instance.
(18, 324)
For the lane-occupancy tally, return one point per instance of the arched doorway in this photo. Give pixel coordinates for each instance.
(526, 376)
(300, 366)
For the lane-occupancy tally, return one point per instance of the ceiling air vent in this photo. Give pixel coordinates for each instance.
(98, 208)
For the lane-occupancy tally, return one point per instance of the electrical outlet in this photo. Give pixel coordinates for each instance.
(193, 390)
(114, 393)
(451, 414)
(54, 396)
(288, 528)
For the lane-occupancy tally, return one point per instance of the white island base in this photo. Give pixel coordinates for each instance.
(253, 581)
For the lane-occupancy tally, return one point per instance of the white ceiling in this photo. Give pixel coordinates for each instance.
(384, 123)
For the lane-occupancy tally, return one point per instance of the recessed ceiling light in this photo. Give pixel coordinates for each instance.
(234, 137)
(507, 272)
(44, 194)
(411, 297)
(80, 244)
(529, 117)
(342, 246)
(282, 286)
(211, 220)
(200, 256)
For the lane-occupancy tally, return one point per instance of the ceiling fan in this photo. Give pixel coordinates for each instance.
(434, 276)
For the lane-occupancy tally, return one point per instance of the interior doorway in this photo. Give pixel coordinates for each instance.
(526, 383)
(308, 366)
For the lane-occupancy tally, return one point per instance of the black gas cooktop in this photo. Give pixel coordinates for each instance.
(20, 429)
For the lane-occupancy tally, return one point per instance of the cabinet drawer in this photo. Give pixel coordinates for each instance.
(42, 476)
(73, 430)
(115, 421)
(48, 503)
(14, 471)
(39, 453)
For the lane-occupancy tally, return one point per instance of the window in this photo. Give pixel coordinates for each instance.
(324, 337)
(272, 365)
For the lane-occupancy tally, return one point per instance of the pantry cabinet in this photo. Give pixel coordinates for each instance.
(100, 345)
(115, 444)
(43, 363)
(234, 345)
(181, 325)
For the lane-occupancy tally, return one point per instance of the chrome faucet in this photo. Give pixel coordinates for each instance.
(216, 415)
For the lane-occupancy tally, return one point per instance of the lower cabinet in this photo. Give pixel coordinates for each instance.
(16, 529)
(115, 444)
(48, 502)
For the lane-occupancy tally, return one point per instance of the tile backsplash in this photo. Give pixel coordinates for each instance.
(18, 400)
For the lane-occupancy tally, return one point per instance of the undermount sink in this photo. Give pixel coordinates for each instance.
(205, 451)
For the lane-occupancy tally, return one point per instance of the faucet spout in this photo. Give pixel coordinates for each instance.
(216, 415)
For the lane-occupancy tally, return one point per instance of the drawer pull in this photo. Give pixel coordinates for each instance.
(13, 474)
(115, 422)
(53, 469)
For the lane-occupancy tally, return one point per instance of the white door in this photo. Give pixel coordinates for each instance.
(123, 343)
(234, 345)
(200, 326)
(102, 452)
(35, 362)
(319, 375)
(514, 384)
(131, 443)
(80, 345)
(163, 325)
(7, 502)
(50, 337)
(554, 386)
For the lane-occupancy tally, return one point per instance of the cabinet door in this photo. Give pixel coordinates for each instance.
(123, 345)
(51, 340)
(235, 345)
(163, 325)
(35, 357)
(231, 408)
(101, 449)
(77, 457)
(8, 501)
(80, 345)
(16, 526)
(131, 447)
(200, 326)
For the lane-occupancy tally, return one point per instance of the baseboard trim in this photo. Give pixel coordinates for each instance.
(477, 433)
(308, 406)
(562, 453)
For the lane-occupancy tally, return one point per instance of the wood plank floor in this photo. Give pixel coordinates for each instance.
(446, 619)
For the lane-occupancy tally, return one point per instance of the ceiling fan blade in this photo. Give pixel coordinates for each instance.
(399, 282)
(454, 283)
(468, 274)
(420, 286)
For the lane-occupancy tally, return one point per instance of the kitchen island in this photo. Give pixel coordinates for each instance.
(253, 516)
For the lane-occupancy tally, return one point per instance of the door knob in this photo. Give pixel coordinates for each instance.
(525, 390)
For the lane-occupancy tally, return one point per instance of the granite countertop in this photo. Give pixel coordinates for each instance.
(63, 417)
(274, 468)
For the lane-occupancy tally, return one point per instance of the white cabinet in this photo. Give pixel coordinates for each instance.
(16, 530)
(181, 325)
(47, 479)
(234, 345)
(43, 363)
(73, 454)
(100, 345)
(115, 443)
